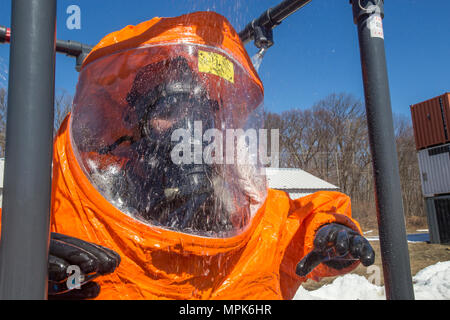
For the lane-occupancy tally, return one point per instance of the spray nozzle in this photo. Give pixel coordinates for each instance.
(263, 37)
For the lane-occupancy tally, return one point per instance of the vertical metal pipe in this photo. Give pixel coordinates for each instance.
(368, 16)
(27, 179)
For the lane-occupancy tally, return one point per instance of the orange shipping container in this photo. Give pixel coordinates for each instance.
(431, 121)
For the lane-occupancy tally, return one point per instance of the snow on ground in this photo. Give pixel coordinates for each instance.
(431, 283)
(414, 237)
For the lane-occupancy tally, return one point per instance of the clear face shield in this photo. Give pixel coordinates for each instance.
(171, 143)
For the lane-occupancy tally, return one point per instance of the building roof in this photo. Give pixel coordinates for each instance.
(297, 180)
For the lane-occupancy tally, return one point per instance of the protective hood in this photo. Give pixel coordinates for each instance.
(137, 87)
(165, 125)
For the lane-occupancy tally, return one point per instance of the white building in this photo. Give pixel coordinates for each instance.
(296, 182)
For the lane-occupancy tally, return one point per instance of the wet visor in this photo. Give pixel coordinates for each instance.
(168, 134)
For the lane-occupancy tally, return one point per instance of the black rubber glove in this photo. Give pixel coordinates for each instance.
(91, 259)
(338, 247)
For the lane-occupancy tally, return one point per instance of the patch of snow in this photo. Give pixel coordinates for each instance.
(347, 287)
(431, 283)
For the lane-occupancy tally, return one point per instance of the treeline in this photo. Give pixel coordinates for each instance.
(330, 140)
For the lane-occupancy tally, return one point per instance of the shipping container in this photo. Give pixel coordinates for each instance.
(438, 214)
(431, 121)
(434, 166)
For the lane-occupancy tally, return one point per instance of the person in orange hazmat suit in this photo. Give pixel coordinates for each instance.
(152, 164)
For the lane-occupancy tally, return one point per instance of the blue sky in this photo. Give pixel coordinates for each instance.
(315, 53)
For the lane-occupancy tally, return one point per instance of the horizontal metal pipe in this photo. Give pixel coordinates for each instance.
(72, 48)
(69, 47)
(272, 17)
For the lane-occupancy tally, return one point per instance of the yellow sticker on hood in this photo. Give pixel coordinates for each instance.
(214, 63)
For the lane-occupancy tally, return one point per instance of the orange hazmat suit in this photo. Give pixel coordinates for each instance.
(160, 263)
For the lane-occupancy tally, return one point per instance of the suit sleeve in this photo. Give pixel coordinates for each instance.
(306, 216)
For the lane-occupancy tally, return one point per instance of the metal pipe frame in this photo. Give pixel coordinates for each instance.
(26, 203)
(29, 143)
(368, 15)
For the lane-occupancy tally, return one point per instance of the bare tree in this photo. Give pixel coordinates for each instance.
(341, 130)
(330, 140)
(63, 105)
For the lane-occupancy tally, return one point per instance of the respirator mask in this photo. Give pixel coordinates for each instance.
(145, 139)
